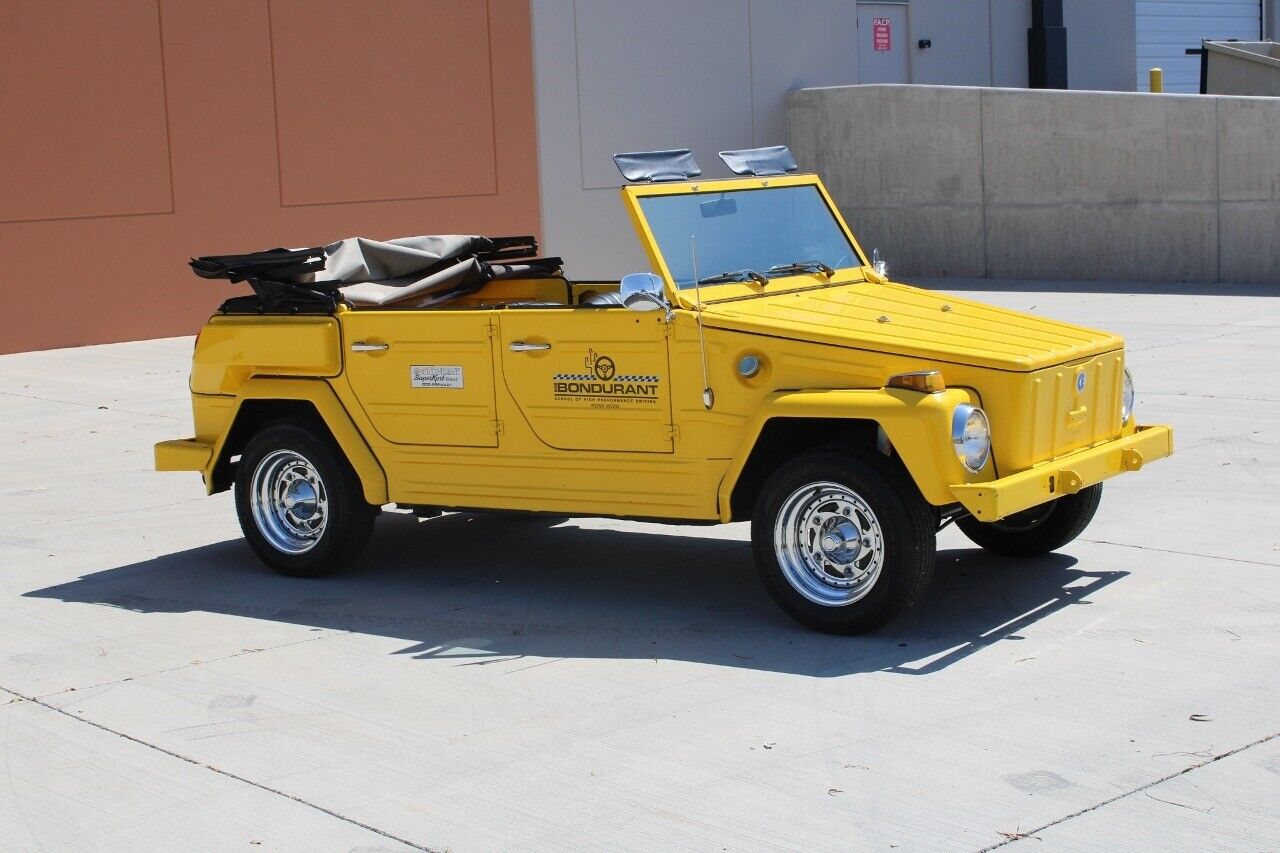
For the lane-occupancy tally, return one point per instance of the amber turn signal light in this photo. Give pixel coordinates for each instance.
(924, 381)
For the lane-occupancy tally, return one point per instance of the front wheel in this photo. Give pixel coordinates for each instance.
(843, 543)
(299, 502)
(1038, 530)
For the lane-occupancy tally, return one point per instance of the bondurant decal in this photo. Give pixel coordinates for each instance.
(578, 388)
(603, 384)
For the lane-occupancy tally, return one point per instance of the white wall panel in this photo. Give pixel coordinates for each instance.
(616, 76)
(796, 46)
(587, 227)
(662, 74)
(1010, 20)
(961, 34)
(1100, 44)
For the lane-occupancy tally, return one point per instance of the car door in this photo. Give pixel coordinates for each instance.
(424, 377)
(589, 378)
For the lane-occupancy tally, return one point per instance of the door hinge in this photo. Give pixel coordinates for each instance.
(668, 329)
(497, 427)
(493, 327)
(673, 432)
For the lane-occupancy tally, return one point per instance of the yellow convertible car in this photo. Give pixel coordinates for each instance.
(762, 369)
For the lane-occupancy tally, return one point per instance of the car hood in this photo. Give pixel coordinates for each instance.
(909, 321)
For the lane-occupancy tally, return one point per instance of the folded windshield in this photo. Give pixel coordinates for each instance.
(785, 230)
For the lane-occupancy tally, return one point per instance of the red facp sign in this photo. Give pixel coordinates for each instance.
(881, 29)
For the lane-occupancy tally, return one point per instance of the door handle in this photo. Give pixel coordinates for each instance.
(521, 346)
(361, 346)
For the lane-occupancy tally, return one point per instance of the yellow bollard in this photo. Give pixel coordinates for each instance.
(1157, 79)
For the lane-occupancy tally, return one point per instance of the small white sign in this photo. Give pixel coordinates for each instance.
(435, 375)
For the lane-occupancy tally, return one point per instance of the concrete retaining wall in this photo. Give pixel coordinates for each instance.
(1015, 183)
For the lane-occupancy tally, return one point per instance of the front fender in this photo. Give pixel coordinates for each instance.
(918, 426)
(318, 393)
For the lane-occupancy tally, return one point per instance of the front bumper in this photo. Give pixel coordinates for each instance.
(1001, 498)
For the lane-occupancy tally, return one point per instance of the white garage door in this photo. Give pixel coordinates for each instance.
(1166, 28)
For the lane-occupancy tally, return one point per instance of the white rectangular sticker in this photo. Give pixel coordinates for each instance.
(435, 375)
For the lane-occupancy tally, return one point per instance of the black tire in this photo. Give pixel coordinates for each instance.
(907, 527)
(348, 518)
(1038, 530)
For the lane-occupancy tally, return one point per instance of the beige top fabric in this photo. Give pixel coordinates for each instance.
(404, 271)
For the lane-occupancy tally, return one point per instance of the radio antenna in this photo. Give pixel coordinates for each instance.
(708, 396)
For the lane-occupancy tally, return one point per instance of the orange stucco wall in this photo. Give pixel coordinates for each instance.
(138, 133)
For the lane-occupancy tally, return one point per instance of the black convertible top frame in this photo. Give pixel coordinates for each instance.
(267, 273)
(273, 274)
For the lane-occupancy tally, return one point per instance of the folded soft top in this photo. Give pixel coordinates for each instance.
(411, 272)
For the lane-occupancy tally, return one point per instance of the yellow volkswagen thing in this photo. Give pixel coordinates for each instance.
(763, 369)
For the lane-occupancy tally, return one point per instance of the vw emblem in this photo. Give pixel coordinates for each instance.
(1080, 382)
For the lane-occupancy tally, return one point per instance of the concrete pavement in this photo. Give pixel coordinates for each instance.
(490, 683)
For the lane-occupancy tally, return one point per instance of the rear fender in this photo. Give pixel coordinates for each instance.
(319, 396)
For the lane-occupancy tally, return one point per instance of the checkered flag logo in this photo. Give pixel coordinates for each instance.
(588, 377)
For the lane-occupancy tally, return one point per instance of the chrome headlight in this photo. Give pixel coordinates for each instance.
(1126, 399)
(971, 434)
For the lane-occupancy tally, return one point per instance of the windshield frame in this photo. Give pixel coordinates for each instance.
(633, 193)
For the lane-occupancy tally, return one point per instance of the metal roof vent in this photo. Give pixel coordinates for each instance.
(773, 160)
(675, 164)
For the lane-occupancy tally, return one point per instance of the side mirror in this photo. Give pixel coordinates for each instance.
(878, 264)
(641, 291)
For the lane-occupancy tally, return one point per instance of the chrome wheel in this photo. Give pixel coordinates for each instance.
(289, 502)
(829, 544)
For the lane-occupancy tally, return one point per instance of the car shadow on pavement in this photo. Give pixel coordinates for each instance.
(489, 588)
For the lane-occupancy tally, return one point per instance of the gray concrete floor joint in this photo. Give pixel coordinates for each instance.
(1031, 834)
(197, 763)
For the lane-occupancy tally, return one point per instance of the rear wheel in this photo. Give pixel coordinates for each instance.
(1038, 530)
(843, 543)
(300, 504)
